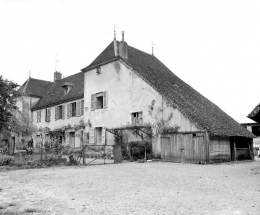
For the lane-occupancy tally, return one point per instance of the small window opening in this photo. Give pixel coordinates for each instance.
(137, 118)
(73, 109)
(99, 101)
(98, 140)
(98, 70)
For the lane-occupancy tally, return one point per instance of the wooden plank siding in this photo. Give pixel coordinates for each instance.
(219, 149)
(184, 148)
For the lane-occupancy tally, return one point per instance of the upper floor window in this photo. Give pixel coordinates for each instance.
(137, 118)
(38, 116)
(75, 109)
(48, 115)
(60, 112)
(99, 100)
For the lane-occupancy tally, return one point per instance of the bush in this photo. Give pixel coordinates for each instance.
(137, 149)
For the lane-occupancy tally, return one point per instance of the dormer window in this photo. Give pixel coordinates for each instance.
(67, 86)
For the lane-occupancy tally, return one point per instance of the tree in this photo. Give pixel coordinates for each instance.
(8, 95)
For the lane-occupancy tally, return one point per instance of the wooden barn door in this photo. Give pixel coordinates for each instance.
(183, 148)
(165, 148)
(199, 155)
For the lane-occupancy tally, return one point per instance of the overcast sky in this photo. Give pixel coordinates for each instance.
(214, 46)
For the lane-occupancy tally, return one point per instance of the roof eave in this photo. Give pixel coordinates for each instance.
(100, 64)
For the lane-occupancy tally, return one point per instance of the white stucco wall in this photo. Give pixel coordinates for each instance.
(127, 93)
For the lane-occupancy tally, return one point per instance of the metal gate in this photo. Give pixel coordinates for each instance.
(100, 154)
(184, 148)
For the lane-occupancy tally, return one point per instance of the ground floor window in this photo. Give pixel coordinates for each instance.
(97, 136)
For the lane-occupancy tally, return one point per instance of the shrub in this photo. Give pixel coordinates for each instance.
(137, 149)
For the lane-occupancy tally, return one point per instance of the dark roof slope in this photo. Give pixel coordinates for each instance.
(255, 114)
(192, 104)
(55, 94)
(35, 87)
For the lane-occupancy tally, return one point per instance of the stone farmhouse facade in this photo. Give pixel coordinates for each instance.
(117, 90)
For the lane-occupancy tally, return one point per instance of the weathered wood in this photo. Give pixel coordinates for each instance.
(184, 148)
(219, 149)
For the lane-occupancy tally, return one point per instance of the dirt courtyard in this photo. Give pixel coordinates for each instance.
(133, 188)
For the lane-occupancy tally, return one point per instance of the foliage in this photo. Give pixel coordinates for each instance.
(137, 149)
(21, 124)
(161, 125)
(8, 96)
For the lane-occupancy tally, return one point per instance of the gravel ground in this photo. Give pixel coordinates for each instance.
(133, 188)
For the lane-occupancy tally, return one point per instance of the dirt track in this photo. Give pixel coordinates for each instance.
(134, 188)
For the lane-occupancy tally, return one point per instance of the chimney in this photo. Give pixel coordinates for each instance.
(123, 52)
(57, 76)
(115, 47)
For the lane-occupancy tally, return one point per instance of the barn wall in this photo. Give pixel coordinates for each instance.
(219, 149)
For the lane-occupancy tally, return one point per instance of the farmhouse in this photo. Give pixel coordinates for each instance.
(123, 83)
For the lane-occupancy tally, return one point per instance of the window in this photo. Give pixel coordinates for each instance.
(97, 136)
(38, 116)
(137, 118)
(60, 112)
(48, 115)
(75, 109)
(99, 100)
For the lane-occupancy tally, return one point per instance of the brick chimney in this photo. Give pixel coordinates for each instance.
(57, 76)
(123, 52)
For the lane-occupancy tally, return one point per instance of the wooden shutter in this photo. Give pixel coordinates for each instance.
(63, 112)
(93, 101)
(104, 135)
(140, 116)
(91, 136)
(82, 108)
(77, 108)
(56, 113)
(49, 114)
(40, 116)
(68, 110)
(105, 99)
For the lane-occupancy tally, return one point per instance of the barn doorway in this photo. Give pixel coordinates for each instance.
(184, 148)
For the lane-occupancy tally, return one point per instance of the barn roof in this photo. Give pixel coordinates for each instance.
(191, 103)
(35, 87)
(255, 114)
(55, 95)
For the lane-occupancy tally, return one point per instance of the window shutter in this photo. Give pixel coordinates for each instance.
(68, 110)
(132, 119)
(140, 118)
(93, 102)
(40, 116)
(63, 112)
(105, 99)
(82, 108)
(77, 108)
(104, 135)
(91, 136)
(49, 110)
(56, 113)
(46, 115)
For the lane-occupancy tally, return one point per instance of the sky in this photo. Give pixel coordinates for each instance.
(214, 46)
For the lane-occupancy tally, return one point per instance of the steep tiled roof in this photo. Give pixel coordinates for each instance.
(255, 114)
(35, 87)
(55, 93)
(192, 104)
